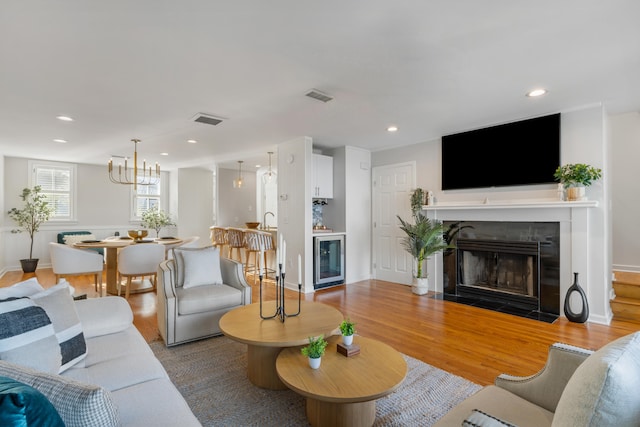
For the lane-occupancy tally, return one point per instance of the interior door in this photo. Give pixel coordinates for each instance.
(392, 187)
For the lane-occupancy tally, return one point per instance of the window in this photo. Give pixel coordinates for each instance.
(146, 197)
(58, 183)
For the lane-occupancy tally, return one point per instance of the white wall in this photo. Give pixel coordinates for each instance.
(195, 203)
(236, 205)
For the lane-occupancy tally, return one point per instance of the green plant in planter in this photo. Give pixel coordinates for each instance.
(34, 213)
(156, 219)
(417, 200)
(347, 327)
(577, 174)
(315, 348)
(423, 239)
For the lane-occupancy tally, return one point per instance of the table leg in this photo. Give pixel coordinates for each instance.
(261, 367)
(358, 414)
(112, 271)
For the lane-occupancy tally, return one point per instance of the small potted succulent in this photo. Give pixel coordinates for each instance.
(314, 351)
(34, 213)
(347, 329)
(156, 219)
(575, 177)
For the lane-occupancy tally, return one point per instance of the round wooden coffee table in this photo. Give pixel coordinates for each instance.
(265, 338)
(343, 391)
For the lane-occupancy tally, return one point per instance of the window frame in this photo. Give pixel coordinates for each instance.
(72, 168)
(162, 197)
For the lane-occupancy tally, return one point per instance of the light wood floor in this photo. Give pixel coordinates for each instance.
(474, 343)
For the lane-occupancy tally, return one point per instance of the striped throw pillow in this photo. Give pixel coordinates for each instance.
(27, 336)
(59, 306)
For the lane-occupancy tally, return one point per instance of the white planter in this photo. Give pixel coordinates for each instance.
(420, 286)
(315, 362)
(347, 339)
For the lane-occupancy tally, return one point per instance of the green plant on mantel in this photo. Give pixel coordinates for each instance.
(417, 200)
(577, 174)
(315, 348)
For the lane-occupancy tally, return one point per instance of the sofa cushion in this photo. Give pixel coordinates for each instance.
(61, 309)
(78, 404)
(21, 289)
(197, 266)
(23, 405)
(27, 335)
(207, 298)
(103, 316)
(603, 390)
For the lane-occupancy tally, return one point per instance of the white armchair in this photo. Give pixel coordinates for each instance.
(195, 289)
(69, 261)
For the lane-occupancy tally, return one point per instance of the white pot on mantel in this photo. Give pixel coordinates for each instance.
(420, 286)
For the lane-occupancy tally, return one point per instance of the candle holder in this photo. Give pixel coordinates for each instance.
(280, 311)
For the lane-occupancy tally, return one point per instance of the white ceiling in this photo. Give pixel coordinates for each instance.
(142, 69)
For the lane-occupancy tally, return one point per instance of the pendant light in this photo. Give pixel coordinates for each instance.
(237, 183)
(270, 175)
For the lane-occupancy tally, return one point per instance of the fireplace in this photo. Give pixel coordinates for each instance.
(513, 266)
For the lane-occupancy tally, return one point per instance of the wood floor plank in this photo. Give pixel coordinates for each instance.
(471, 342)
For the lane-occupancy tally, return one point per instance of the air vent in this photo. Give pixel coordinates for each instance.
(316, 94)
(207, 119)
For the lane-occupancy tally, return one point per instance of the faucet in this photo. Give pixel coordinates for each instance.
(264, 219)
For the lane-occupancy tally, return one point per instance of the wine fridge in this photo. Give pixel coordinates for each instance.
(328, 261)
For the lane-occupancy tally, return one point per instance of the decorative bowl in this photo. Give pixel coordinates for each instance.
(252, 225)
(138, 234)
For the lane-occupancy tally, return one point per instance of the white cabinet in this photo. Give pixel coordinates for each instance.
(322, 176)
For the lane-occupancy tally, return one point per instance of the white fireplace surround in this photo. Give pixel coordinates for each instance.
(577, 253)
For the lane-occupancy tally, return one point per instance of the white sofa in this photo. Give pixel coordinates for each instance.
(576, 388)
(118, 382)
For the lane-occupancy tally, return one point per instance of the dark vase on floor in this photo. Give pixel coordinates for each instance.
(583, 315)
(29, 265)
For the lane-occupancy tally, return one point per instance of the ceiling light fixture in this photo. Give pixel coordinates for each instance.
(270, 175)
(134, 178)
(64, 118)
(536, 92)
(192, 141)
(392, 128)
(237, 183)
(61, 141)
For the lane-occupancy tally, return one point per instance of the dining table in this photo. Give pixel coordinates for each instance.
(111, 246)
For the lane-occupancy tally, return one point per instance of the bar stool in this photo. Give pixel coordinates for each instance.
(235, 240)
(256, 241)
(218, 237)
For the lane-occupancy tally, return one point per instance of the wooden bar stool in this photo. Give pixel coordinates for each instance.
(219, 238)
(256, 241)
(235, 240)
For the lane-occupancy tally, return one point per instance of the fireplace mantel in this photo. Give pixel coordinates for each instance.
(575, 234)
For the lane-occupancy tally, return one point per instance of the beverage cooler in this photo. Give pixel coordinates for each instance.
(328, 261)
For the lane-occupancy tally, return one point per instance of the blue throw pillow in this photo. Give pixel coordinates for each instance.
(22, 405)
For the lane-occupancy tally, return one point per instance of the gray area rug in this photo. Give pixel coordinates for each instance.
(211, 375)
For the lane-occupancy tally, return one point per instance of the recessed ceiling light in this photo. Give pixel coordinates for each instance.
(536, 92)
(62, 141)
(64, 118)
(392, 128)
(192, 141)
(257, 166)
(164, 154)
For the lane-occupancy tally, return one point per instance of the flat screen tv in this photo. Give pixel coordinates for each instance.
(519, 153)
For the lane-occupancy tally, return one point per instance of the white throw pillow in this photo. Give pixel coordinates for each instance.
(27, 335)
(198, 266)
(70, 239)
(78, 404)
(603, 390)
(21, 289)
(61, 309)
(478, 418)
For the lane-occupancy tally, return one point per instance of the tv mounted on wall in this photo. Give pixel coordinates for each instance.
(526, 152)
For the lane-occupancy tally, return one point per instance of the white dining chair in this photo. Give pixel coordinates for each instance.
(69, 261)
(139, 260)
(189, 242)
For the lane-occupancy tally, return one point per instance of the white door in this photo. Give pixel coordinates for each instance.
(392, 187)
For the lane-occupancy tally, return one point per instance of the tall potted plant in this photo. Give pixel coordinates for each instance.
(156, 219)
(423, 239)
(575, 177)
(34, 213)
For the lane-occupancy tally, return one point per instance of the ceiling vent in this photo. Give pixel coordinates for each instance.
(207, 119)
(316, 94)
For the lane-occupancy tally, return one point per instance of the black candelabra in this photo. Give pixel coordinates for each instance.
(280, 311)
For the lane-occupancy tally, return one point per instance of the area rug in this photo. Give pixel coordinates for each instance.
(211, 375)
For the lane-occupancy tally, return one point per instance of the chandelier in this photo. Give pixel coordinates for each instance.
(134, 176)
(270, 175)
(237, 183)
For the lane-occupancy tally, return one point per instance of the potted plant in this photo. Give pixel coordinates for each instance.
(34, 213)
(574, 177)
(156, 219)
(314, 351)
(417, 200)
(347, 329)
(423, 239)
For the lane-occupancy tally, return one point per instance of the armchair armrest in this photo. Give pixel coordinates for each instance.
(233, 275)
(545, 387)
(102, 316)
